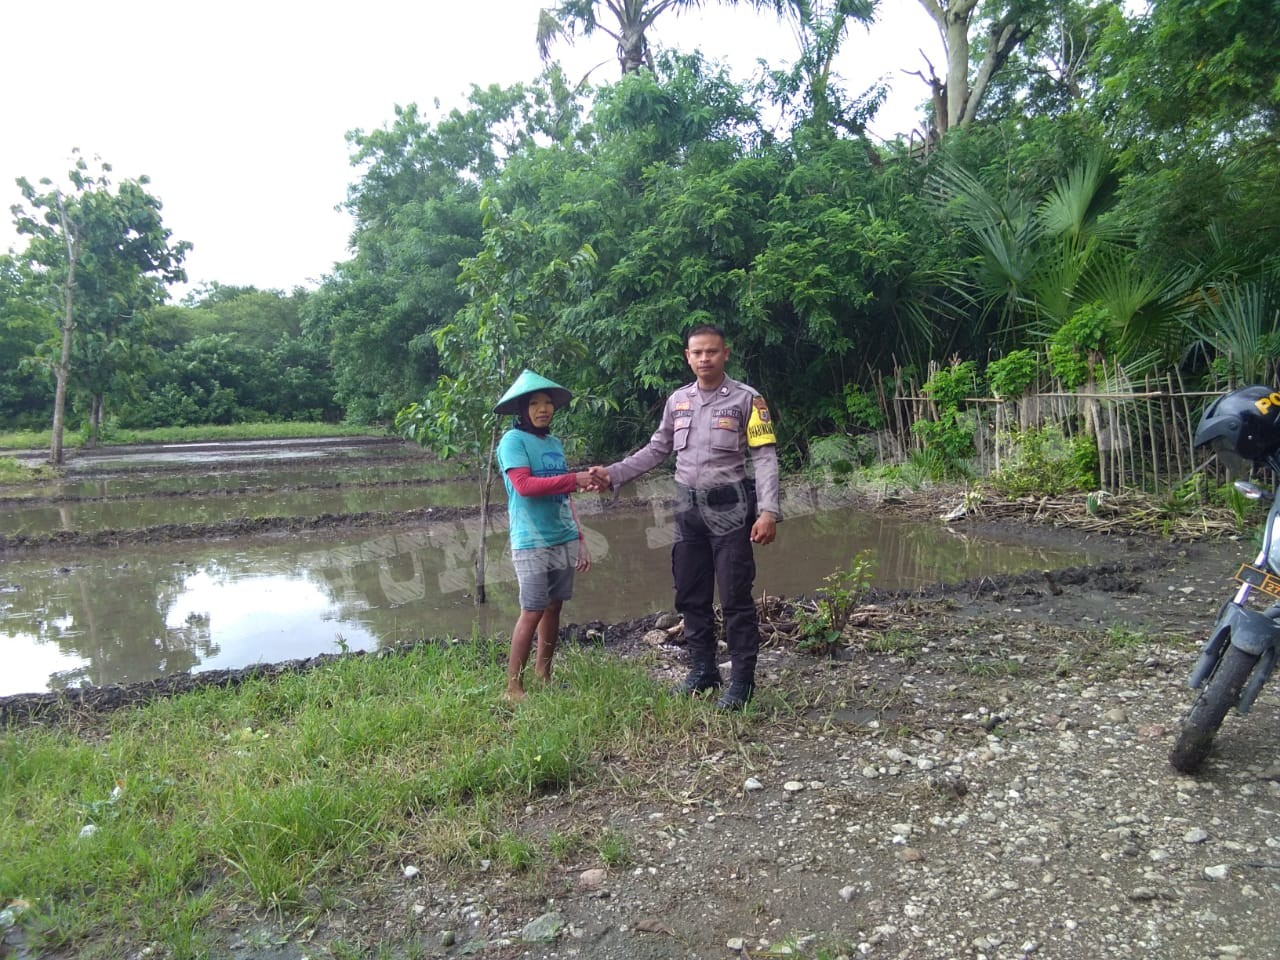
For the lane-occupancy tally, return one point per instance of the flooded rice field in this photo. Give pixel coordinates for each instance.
(36, 516)
(193, 599)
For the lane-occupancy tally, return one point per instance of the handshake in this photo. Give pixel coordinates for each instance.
(593, 480)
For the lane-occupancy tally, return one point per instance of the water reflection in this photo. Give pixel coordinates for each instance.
(167, 608)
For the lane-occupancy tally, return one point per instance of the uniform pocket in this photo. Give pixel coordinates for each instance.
(725, 439)
(681, 438)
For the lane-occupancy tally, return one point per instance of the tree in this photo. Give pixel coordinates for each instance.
(26, 388)
(1053, 73)
(508, 324)
(417, 216)
(1193, 71)
(957, 99)
(820, 27)
(104, 256)
(1190, 96)
(631, 22)
(1059, 264)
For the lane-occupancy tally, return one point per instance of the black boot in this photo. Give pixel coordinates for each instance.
(700, 679)
(736, 695)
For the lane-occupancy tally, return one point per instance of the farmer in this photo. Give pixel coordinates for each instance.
(547, 544)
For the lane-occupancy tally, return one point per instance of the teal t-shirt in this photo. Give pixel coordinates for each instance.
(535, 521)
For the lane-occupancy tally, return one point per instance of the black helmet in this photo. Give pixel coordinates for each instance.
(1245, 422)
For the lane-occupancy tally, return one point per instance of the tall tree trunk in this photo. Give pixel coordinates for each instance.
(956, 37)
(633, 51)
(949, 97)
(96, 405)
(956, 101)
(62, 371)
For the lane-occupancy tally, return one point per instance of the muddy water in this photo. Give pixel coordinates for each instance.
(123, 616)
(149, 456)
(129, 514)
(134, 484)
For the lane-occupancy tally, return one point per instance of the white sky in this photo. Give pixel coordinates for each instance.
(237, 110)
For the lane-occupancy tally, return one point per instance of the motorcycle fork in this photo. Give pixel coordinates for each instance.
(1261, 673)
(1253, 632)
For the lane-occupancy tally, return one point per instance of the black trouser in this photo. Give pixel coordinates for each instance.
(713, 546)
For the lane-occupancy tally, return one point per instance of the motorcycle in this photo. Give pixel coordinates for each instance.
(1242, 426)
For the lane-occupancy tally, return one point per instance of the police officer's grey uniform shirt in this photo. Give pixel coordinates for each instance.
(709, 436)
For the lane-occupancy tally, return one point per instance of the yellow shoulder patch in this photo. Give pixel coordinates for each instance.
(760, 424)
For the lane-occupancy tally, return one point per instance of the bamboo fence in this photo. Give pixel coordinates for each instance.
(1143, 430)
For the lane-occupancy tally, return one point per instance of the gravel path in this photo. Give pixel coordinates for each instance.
(997, 789)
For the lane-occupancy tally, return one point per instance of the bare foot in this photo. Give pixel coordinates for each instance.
(514, 694)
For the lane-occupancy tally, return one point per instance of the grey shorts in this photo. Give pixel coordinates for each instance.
(545, 574)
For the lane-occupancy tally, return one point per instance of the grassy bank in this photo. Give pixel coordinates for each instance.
(40, 439)
(146, 825)
(11, 471)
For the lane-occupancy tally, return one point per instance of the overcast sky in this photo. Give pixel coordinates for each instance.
(237, 110)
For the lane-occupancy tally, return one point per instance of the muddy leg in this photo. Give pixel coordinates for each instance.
(548, 634)
(521, 643)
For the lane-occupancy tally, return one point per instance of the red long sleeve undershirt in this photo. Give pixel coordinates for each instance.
(527, 485)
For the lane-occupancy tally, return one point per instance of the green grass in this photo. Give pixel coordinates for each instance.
(1124, 638)
(901, 643)
(323, 781)
(40, 439)
(11, 471)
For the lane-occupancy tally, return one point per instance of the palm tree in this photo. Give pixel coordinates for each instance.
(628, 23)
(1040, 261)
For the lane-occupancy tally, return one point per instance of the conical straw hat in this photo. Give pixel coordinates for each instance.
(530, 382)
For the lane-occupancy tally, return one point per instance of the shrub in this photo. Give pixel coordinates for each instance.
(1046, 461)
(1074, 343)
(822, 629)
(1012, 374)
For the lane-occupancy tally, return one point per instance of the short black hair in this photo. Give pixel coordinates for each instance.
(703, 328)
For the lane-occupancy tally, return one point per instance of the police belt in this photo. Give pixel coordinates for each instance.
(725, 495)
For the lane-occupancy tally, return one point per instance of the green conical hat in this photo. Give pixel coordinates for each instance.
(530, 382)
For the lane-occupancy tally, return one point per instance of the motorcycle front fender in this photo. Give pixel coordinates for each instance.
(1247, 629)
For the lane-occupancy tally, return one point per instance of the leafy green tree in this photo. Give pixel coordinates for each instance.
(259, 319)
(105, 257)
(826, 259)
(1052, 74)
(1190, 96)
(508, 324)
(1193, 71)
(809, 94)
(1043, 258)
(26, 389)
(218, 378)
(417, 216)
(815, 264)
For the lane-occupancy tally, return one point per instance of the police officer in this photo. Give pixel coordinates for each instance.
(713, 424)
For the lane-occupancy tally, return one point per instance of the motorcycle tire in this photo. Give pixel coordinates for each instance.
(1219, 694)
